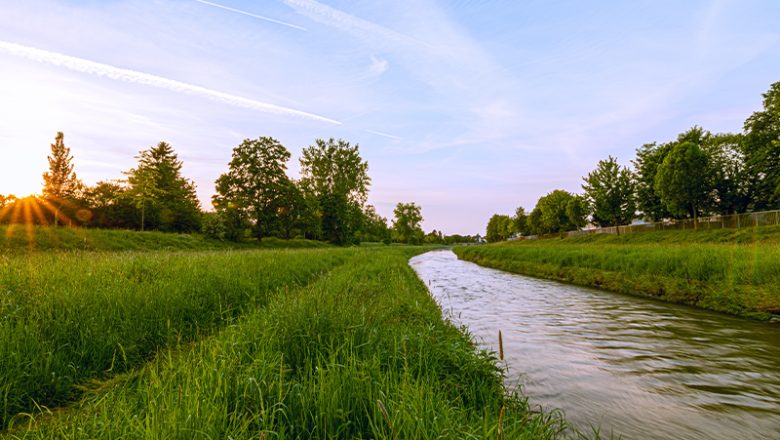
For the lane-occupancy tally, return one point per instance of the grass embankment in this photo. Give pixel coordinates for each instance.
(362, 352)
(731, 271)
(67, 318)
(23, 238)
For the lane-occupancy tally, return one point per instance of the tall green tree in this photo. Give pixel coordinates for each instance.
(334, 174)
(375, 227)
(499, 227)
(61, 187)
(552, 213)
(682, 180)
(520, 220)
(761, 146)
(256, 192)
(406, 224)
(649, 158)
(166, 200)
(728, 174)
(610, 193)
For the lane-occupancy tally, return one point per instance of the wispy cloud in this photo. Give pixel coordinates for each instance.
(249, 14)
(378, 66)
(386, 135)
(132, 76)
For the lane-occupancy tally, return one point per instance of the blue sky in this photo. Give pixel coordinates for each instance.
(468, 108)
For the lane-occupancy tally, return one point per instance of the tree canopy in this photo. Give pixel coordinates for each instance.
(609, 192)
(336, 177)
(406, 224)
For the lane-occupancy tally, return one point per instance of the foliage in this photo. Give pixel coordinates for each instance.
(609, 191)
(552, 213)
(406, 224)
(577, 211)
(728, 175)
(648, 159)
(375, 227)
(682, 180)
(166, 200)
(499, 227)
(520, 220)
(61, 187)
(761, 147)
(256, 191)
(334, 174)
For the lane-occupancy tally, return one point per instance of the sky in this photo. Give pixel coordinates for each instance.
(466, 107)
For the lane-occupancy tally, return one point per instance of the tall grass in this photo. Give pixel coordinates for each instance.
(362, 352)
(66, 318)
(23, 238)
(718, 270)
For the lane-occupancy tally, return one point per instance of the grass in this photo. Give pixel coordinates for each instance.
(66, 318)
(361, 352)
(731, 271)
(23, 238)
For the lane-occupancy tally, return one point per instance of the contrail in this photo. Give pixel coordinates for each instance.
(379, 133)
(132, 76)
(259, 17)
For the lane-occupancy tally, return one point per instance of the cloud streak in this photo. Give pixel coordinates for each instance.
(379, 133)
(249, 14)
(131, 76)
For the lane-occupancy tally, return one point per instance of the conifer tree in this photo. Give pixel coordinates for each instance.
(60, 183)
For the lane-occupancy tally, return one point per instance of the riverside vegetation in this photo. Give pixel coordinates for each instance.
(731, 271)
(303, 343)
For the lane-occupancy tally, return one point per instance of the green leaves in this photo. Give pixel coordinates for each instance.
(256, 192)
(610, 193)
(333, 173)
(406, 225)
(682, 181)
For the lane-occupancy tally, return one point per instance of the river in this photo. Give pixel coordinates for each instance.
(638, 368)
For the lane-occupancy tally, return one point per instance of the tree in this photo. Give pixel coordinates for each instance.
(406, 224)
(649, 158)
(609, 192)
(577, 211)
(728, 174)
(375, 227)
(499, 227)
(256, 192)
(111, 204)
(336, 176)
(682, 181)
(520, 220)
(60, 184)
(761, 146)
(434, 237)
(551, 213)
(166, 200)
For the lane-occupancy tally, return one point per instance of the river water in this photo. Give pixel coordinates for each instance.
(638, 368)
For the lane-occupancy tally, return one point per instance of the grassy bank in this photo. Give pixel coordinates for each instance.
(729, 271)
(66, 318)
(362, 352)
(24, 238)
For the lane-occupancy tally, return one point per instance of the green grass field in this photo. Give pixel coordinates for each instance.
(22, 238)
(304, 343)
(732, 271)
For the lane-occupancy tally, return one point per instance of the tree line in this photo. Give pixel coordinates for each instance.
(699, 173)
(253, 199)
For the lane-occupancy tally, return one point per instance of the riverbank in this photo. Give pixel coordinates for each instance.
(329, 343)
(730, 271)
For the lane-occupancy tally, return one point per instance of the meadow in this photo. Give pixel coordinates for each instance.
(286, 343)
(731, 271)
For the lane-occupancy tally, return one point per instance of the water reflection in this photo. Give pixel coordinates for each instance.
(640, 368)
